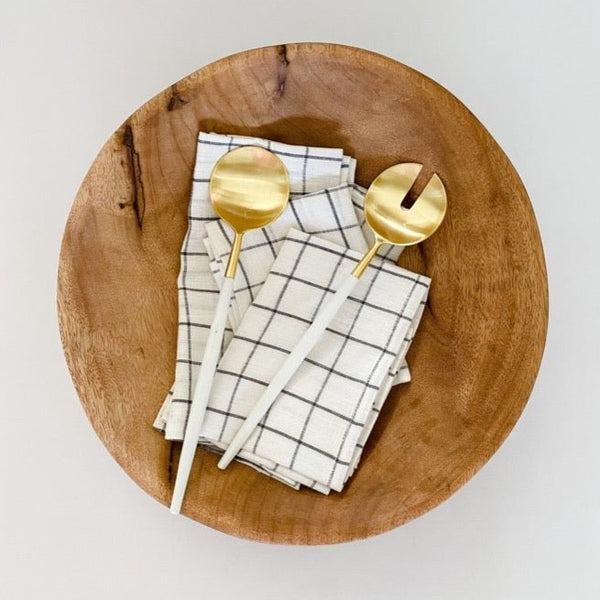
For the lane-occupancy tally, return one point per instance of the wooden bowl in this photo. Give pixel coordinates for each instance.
(477, 352)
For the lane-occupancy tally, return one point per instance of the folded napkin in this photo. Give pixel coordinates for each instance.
(314, 433)
(310, 169)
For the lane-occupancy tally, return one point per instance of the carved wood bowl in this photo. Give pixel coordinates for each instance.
(480, 343)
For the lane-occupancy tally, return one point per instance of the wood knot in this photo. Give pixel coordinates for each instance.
(175, 100)
(282, 68)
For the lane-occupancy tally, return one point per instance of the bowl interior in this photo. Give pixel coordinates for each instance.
(479, 346)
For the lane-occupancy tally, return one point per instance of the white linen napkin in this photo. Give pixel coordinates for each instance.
(310, 169)
(314, 433)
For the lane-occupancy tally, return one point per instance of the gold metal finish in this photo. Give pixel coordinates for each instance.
(391, 222)
(249, 188)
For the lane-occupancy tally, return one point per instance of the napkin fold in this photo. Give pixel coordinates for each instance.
(310, 169)
(314, 433)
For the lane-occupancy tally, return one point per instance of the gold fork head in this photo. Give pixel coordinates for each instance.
(393, 223)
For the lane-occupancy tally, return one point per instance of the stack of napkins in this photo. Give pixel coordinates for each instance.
(315, 432)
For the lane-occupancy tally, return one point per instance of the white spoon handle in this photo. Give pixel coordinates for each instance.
(201, 394)
(290, 366)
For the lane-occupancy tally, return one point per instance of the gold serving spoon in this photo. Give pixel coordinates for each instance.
(249, 188)
(391, 223)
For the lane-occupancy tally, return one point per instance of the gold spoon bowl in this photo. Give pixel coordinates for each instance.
(249, 188)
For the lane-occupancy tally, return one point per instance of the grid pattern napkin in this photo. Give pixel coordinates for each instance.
(314, 433)
(310, 169)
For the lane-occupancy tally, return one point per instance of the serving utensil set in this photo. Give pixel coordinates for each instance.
(249, 188)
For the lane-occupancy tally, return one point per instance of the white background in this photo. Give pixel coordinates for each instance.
(73, 525)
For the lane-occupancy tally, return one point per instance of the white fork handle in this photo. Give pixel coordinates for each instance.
(290, 366)
(201, 394)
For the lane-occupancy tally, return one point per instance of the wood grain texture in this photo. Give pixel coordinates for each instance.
(479, 347)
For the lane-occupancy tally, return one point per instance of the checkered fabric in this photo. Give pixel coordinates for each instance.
(310, 169)
(314, 433)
